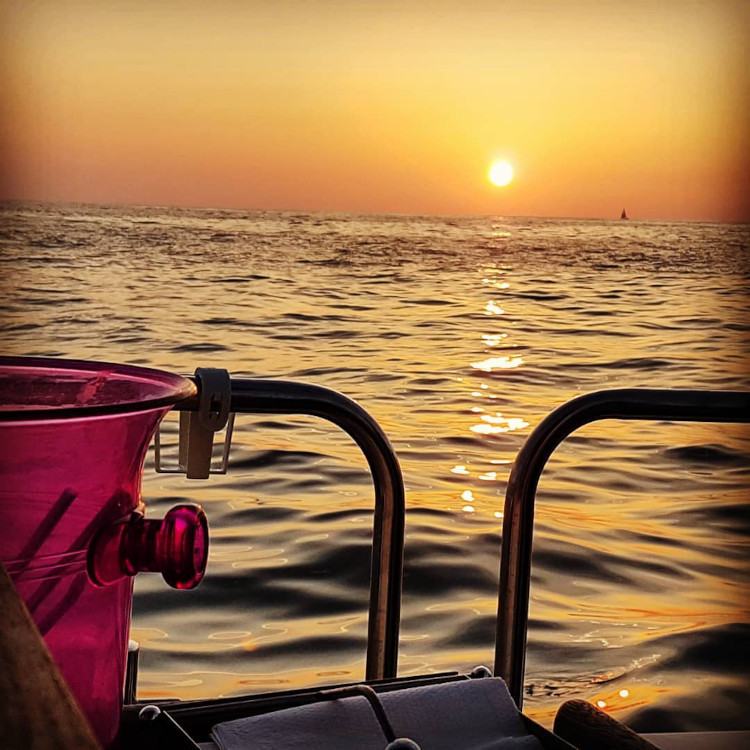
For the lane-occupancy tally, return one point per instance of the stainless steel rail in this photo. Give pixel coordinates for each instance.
(251, 396)
(518, 521)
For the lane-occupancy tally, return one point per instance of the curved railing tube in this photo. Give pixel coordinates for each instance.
(518, 521)
(255, 396)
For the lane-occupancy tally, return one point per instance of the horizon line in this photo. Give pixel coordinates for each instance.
(350, 212)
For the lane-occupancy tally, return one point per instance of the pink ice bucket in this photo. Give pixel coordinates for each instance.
(73, 439)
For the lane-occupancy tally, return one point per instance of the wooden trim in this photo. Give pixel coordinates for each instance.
(37, 709)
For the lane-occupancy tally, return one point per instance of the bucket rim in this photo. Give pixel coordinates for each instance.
(171, 389)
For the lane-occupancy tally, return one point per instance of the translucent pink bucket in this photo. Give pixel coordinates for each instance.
(73, 438)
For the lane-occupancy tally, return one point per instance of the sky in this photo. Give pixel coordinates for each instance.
(380, 107)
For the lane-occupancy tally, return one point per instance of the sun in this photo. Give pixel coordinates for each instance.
(501, 173)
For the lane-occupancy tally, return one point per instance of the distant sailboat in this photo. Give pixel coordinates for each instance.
(623, 215)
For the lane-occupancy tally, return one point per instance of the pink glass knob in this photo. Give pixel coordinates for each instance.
(176, 547)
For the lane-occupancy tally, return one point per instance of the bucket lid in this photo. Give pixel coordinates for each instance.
(33, 388)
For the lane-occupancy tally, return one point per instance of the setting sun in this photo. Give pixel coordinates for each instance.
(501, 173)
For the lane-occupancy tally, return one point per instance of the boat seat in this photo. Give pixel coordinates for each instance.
(476, 714)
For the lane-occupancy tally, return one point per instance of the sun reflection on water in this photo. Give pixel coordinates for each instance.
(494, 339)
(492, 308)
(498, 424)
(498, 363)
(491, 423)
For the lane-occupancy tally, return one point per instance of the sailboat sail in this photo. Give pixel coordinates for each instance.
(623, 215)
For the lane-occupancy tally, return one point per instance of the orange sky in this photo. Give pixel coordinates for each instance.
(354, 105)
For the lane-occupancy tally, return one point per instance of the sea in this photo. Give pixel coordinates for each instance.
(458, 334)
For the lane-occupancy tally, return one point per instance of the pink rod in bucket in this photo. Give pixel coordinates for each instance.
(73, 439)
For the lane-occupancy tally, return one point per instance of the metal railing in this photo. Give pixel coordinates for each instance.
(518, 521)
(255, 396)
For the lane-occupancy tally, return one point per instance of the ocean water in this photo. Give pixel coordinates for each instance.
(459, 334)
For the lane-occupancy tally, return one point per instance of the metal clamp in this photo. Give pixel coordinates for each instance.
(197, 428)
